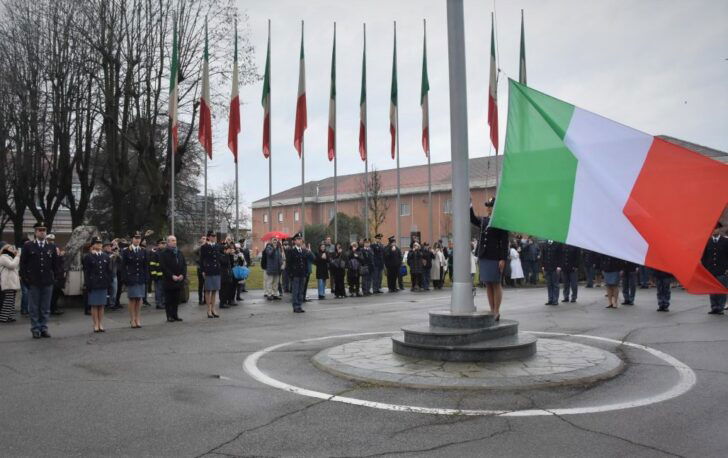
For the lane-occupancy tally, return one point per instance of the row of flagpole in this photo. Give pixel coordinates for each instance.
(205, 126)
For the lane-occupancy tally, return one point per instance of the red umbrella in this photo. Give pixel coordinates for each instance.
(276, 234)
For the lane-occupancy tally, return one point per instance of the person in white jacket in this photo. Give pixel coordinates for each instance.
(9, 281)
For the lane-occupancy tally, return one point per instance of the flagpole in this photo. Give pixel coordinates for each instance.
(270, 136)
(429, 165)
(205, 203)
(399, 208)
(171, 181)
(462, 295)
(336, 156)
(237, 203)
(366, 159)
(303, 187)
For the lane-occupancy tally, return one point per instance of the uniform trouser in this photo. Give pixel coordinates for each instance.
(552, 285)
(200, 288)
(590, 272)
(392, 275)
(400, 280)
(298, 288)
(24, 293)
(171, 302)
(159, 293)
(271, 284)
(286, 282)
(718, 301)
(629, 286)
(54, 298)
(644, 276)
(663, 292)
(426, 278)
(530, 271)
(39, 306)
(377, 279)
(570, 281)
(7, 304)
(366, 284)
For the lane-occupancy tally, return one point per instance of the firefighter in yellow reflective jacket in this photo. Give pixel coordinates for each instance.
(155, 272)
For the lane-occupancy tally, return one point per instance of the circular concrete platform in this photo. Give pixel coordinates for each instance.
(556, 363)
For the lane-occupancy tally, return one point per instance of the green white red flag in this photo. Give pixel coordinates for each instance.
(424, 100)
(173, 91)
(234, 117)
(205, 127)
(332, 104)
(265, 101)
(300, 102)
(393, 97)
(363, 103)
(576, 177)
(493, 92)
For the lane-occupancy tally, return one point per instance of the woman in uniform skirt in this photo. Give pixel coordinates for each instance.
(97, 279)
(134, 268)
(210, 254)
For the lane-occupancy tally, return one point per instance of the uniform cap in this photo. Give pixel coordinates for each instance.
(39, 224)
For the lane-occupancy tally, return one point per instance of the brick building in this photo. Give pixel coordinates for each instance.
(413, 199)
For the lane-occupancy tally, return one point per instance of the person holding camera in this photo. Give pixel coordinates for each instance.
(9, 281)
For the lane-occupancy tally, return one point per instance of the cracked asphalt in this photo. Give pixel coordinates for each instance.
(180, 389)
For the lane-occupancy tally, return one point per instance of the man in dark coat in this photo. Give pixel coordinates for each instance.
(297, 267)
(570, 271)
(715, 259)
(492, 252)
(174, 271)
(393, 262)
(551, 257)
(377, 263)
(367, 267)
(530, 257)
(37, 268)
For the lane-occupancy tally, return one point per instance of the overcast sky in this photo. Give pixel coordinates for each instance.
(660, 66)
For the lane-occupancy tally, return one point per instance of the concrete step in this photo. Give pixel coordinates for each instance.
(446, 319)
(500, 349)
(437, 335)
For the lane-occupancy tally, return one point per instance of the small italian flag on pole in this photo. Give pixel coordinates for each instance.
(300, 102)
(576, 177)
(423, 97)
(332, 103)
(265, 101)
(393, 97)
(363, 102)
(173, 91)
(493, 91)
(234, 118)
(205, 127)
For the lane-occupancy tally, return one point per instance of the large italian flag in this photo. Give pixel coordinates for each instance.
(265, 100)
(393, 124)
(205, 127)
(363, 103)
(234, 119)
(301, 117)
(576, 177)
(332, 103)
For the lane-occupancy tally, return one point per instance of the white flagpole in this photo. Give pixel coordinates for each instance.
(399, 208)
(336, 156)
(366, 159)
(270, 136)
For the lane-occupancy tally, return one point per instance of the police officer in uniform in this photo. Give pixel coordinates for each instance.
(174, 272)
(210, 254)
(155, 273)
(37, 270)
(134, 268)
(551, 257)
(715, 259)
(378, 264)
(296, 266)
(492, 252)
(393, 263)
(570, 271)
(97, 278)
(629, 282)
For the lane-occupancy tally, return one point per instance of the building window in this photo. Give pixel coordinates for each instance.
(447, 208)
(404, 209)
(265, 217)
(404, 242)
(280, 217)
(295, 215)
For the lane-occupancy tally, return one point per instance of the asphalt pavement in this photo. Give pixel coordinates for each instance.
(179, 389)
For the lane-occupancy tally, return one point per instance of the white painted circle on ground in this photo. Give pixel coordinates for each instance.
(686, 381)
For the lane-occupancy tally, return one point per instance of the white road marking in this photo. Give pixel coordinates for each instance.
(685, 383)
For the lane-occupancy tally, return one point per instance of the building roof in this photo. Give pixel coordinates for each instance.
(413, 179)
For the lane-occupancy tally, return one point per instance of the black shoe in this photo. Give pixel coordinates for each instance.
(551, 303)
(573, 300)
(565, 300)
(716, 312)
(159, 307)
(377, 292)
(57, 312)
(299, 311)
(244, 290)
(177, 319)
(170, 320)
(224, 306)
(322, 298)
(44, 333)
(662, 309)
(36, 334)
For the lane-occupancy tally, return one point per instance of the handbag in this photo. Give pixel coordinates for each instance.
(403, 271)
(241, 272)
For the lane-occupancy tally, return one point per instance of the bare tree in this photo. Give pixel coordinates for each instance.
(378, 204)
(225, 206)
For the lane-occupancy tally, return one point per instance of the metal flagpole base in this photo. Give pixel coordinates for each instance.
(461, 301)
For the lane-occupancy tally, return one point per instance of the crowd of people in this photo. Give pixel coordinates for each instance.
(37, 272)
